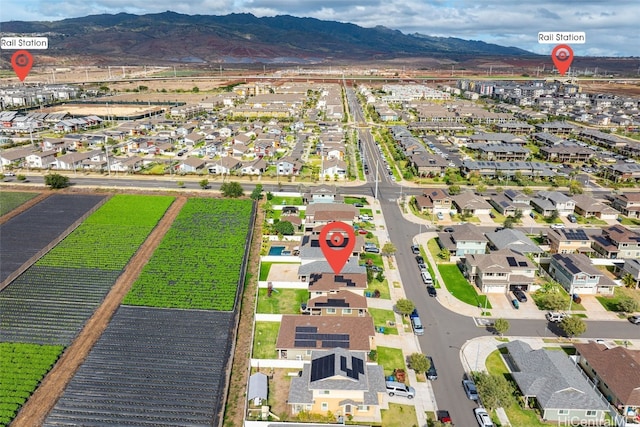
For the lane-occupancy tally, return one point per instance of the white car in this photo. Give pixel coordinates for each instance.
(557, 226)
(483, 418)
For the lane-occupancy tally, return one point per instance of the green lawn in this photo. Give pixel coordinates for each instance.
(383, 287)
(9, 200)
(591, 220)
(376, 258)
(390, 359)
(399, 416)
(352, 200)
(611, 303)
(282, 301)
(517, 416)
(264, 341)
(546, 220)
(628, 221)
(498, 217)
(381, 317)
(289, 201)
(538, 298)
(460, 288)
(434, 249)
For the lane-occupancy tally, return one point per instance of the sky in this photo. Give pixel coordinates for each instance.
(611, 26)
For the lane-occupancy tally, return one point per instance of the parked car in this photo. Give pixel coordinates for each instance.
(557, 226)
(470, 389)
(440, 216)
(426, 278)
(448, 230)
(400, 389)
(635, 320)
(422, 267)
(372, 249)
(432, 373)
(431, 290)
(9, 173)
(419, 259)
(443, 416)
(358, 205)
(572, 218)
(520, 295)
(515, 303)
(416, 323)
(415, 249)
(555, 316)
(483, 418)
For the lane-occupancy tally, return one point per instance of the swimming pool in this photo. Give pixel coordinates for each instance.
(276, 250)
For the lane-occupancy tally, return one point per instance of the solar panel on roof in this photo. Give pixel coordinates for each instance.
(522, 263)
(306, 329)
(323, 367)
(334, 344)
(304, 343)
(512, 261)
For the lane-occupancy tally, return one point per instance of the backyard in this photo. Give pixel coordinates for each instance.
(264, 340)
(281, 301)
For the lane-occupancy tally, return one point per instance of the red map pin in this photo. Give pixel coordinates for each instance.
(337, 247)
(22, 62)
(562, 56)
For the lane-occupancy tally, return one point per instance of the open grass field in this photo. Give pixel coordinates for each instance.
(9, 200)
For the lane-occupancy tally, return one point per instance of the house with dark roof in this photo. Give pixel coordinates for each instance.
(191, 165)
(617, 242)
(578, 275)
(338, 303)
(507, 206)
(632, 266)
(568, 241)
(320, 214)
(299, 335)
(341, 382)
(555, 384)
(616, 371)
(427, 163)
(546, 202)
(434, 200)
(500, 271)
(466, 239)
(324, 284)
(307, 270)
(310, 249)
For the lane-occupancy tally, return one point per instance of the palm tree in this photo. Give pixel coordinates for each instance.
(629, 281)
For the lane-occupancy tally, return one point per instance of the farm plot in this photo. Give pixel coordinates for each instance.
(111, 235)
(22, 366)
(151, 367)
(28, 233)
(198, 263)
(49, 305)
(9, 200)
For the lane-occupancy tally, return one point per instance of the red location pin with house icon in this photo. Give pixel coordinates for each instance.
(562, 56)
(337, 240)
(22, 61)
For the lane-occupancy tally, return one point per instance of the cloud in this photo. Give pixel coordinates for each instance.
(492, 21)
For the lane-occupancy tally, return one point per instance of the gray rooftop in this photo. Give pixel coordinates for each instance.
(512, 239)
(552, 378)
(352, 266)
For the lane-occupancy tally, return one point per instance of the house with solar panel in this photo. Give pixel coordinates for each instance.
(568, 241)
(578, 275)
(341, 382)
(500, 271)
(299, 335)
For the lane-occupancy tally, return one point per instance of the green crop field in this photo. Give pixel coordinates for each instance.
(109, 237)
(10, 200)
(197, 264)
(22, 366)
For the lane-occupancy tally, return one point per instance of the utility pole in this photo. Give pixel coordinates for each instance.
(375, 196)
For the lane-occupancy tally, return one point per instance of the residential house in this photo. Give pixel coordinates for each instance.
(16, 156)
(568, 241)
(516, 240)
(500, 271)
(500, 152)
(288, 166)
(427, 164)
(41, 159)
(620, 172)
(567, 152)
(73, 161)
(254, 167)
(617, 242)
(578, 275)
(507, 206)
(320, 214)
(628, 204)
(307, 270)
(57, 144)
(322, 194)
(632, 266)
(191, 165)
(470, 203)
(334, 168)
(125, 164)
(325, 284)
(546, 202)
(434, 201)
(310, 248)
(616, 371)
(341, 382)
(555, 384)
(589, 207)
(300, 335)
(466, 239)
(193, 139)
(338, 303)
(224, 166)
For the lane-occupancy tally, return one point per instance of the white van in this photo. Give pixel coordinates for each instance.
(426, 278)
(400, 389)
(418, 329)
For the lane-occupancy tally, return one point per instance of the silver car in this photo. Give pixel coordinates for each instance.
(483, 418)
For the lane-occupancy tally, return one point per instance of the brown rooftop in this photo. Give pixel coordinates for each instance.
(332, 282)
(339, 299)
(359, 330)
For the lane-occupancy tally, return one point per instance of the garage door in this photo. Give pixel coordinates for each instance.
(496, 289)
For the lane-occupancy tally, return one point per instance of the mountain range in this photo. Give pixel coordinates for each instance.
(171, 37)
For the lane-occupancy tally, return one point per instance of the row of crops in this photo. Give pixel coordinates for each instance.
(151, 367)
(198, 263)
(22, 366)
(51, 301)
(9, 200)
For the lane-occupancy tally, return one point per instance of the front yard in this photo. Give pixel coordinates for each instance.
(390, 359)
(399, 415)
(381, 318)
(460, 288)
(619, 293)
